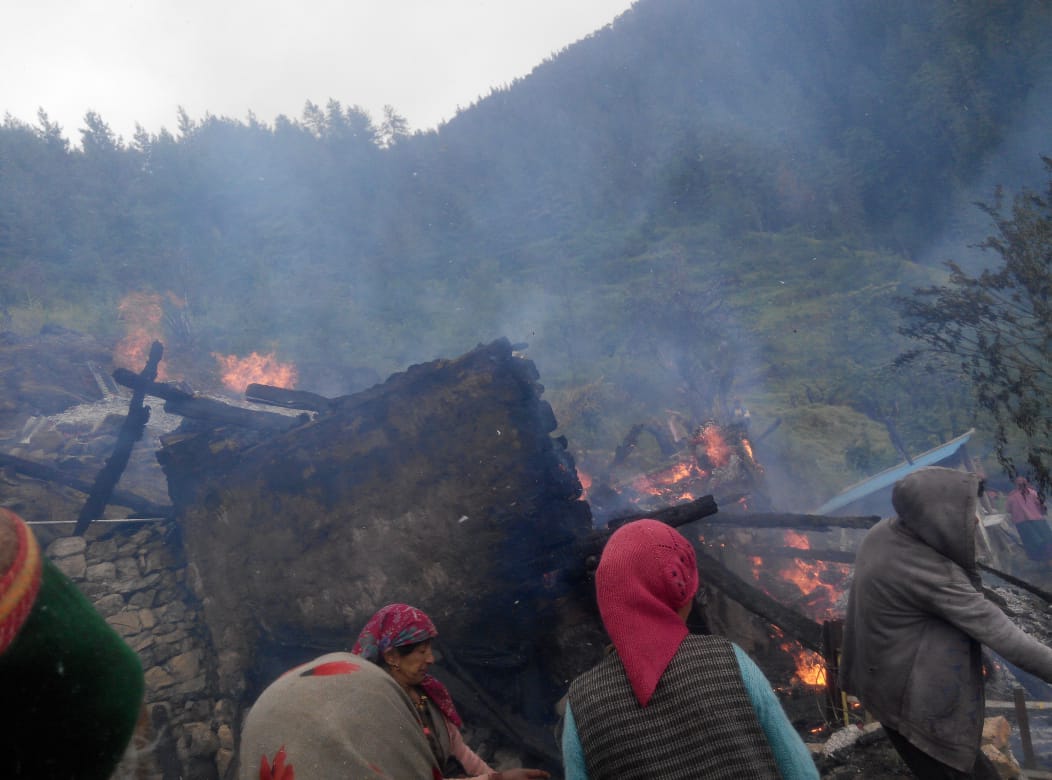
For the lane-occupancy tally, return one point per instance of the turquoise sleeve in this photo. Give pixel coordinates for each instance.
(790, 753)
(573, 755)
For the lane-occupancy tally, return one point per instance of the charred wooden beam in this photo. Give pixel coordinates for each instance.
(131, 431)
(677, 515)
(220, 413)
(794, 521)
(714, 573)
(829, 556)
(1040, 593)
(289, 399)
(467, 693)
(47, 473)
(186, 404)
(157, 389)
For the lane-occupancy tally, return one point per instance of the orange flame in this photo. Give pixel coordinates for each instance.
(666, 482)
(586, 483)
(142, 313)
(810, 666)
(716, 446)
(239, 373)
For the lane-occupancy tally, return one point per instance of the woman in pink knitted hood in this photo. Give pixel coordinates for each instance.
(665, 703)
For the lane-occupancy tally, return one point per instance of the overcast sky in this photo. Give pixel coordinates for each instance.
(137, 61)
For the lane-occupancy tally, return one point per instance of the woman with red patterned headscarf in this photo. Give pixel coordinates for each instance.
(398, 639)
(666, 703)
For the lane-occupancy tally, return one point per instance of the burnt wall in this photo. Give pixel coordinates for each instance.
(442, 487)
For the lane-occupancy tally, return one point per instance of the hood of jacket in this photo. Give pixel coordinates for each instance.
(938, 505)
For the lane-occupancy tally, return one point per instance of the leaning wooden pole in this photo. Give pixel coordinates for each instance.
(130, 432)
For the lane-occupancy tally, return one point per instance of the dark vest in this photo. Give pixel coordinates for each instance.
(699, 722)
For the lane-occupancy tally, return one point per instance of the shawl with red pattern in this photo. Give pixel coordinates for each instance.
(398, 625)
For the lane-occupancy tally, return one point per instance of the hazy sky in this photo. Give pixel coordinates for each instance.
(139, 60)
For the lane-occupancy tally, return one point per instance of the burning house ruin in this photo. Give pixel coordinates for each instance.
(281, 528)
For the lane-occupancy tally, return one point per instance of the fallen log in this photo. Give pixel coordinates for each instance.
(131, 431)
(219, 413)
(178, 401)
(793, 521)
(47, 473)
(714, 573)
(289, 399)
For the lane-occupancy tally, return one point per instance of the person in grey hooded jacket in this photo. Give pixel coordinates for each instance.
(916, 620)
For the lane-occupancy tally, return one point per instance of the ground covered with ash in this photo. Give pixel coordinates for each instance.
(868, 753)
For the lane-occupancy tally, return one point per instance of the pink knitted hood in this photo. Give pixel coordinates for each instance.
(647, 572)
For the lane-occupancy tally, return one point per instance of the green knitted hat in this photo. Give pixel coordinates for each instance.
(72, 689)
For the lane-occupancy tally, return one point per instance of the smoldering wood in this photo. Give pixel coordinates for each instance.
(131, 431)
(797, 522)
(804, 630)
(289, 399)
(163, 390)
(47, 473)
(178, 401)
(676, 515)
(219, 413)
(823, 556)
(467, 693)
(628, 444)
(1012, 580)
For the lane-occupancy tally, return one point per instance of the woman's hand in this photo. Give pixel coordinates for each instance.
(522, 774)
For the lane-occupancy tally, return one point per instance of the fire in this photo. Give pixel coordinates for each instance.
(813, 579)
(239, 373)
(810, 667)
(142, 313)
(716, 447)
(672, 482)
(586, 484)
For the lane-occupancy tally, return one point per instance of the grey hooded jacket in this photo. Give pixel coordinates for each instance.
(916, 617)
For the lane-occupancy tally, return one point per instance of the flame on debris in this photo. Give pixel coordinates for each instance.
(810, 666)
(239, 373)
(813, 579)
(142, 313)
(586, 484)
(666, 482)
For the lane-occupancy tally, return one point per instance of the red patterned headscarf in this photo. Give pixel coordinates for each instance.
(398, 625)
(647, 572)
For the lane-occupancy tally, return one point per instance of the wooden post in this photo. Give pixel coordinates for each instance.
(131, 431)
(835, 699)
(1023, 719)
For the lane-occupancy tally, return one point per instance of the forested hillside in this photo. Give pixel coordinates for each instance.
(706, 199)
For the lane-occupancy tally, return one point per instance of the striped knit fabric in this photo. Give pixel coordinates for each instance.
(20, 582)
(699, 722)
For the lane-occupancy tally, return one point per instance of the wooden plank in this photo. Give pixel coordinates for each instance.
(46, 473)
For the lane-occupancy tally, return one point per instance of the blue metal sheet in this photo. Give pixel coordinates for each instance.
(890, 476)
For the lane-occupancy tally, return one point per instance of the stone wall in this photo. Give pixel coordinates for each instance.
(137, 578)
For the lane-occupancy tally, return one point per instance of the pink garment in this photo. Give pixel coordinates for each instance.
(468, 758)
(648, 571)
(1023, 503)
